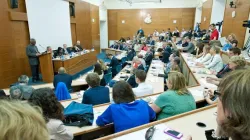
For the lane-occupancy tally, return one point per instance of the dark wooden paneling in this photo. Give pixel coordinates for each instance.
(95, 27)
(162, 19)
(234, 25)
(206, 13)
(73, 32)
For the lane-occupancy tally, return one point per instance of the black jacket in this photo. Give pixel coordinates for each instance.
(65, 78)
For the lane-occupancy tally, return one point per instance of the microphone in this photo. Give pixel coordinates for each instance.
(42, 47)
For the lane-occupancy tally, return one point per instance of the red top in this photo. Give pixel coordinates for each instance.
(214, 34)
(145, 48)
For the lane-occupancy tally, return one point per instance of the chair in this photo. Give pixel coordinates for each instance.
(118, 68)
(108, 77)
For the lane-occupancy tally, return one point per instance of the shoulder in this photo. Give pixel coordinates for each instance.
(54, 123)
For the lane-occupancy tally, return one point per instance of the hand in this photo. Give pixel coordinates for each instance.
(188, 138)
(37, 54)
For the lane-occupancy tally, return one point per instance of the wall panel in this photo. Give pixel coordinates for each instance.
(206, 13)
(162, 19)
(95, 23)
(234, 25)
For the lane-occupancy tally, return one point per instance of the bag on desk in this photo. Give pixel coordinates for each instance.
(77, 114)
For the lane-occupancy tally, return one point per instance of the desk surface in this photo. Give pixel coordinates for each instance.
(179, 123)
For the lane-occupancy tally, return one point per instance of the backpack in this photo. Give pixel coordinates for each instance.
(77, 114)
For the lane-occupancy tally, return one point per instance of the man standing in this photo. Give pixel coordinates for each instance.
(33, 53)
(214, 32)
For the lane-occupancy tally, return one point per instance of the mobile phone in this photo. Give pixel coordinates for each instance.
(173, 133)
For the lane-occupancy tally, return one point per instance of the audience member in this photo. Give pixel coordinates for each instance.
(131, 80)
(235, 63)
(198, 49)
(143, 62)
(95, 94)
(215, 63)
(52, 113)
(138, 64)
(166, 53)
(175, 68)
(169, 64)
(148, 57)
(143, 88)
(234, 43)
(15, 93)
(206, 37)
(134, 112)
(184, 42)
(234, 52)
(62, 92)
(214, 34)
(122, 39)
(144, 47)
(228, 44)
(156, 33)
(131, 54)
(183, 32)
(2, 94)
(205, 55)
(98, 70)
(104, 67)
(176, 32)
(20, 121)
(23, 86)
(190, 47)
(113, 64)
(176, 99)
(137, 47)
(62, 76)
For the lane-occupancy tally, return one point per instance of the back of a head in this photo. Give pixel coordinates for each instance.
(23, 79)
(62, 92)
(122, 93)
(178, 82)
(215, 42)
(215, 48)
(235, 100)
(15, 93)
(175, 68)
(93, 80)
(177, 60)
(20, 121)
(61, 70)
(239, 61)
(235, 50)
(98, 69)
(46, 99)
(141, 75)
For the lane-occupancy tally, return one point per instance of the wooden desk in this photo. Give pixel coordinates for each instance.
(184, 123)
(76, 64)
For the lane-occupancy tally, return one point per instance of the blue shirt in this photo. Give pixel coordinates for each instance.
(226, 47)
(96, 95)
(127, 115)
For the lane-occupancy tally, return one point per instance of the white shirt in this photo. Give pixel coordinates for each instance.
(58, 131)
(158, 45)
(215, 63)
(137, 47)
(156, 33)
(143, 62)
(143, 89)
(204, 58)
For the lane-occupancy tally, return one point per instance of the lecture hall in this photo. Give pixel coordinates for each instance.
(124, 69)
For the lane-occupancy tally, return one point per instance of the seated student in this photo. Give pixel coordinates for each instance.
(62, 76)
(184, 42)
(103, 66)
(99, 71)
(176, 32)
(148, 57)
(131, 80)
(175, 62)
(228, 44)
(113, 64)
(144, 47)
(198, 49)
(143, 62)
(52, 112)
(21, 121)
(137, 46)
(234, 52)
(2, 94)
(151, 42)
(23, 85)
(113, 45)
(206, 37)
(215, 63)
(176, 99)
(235, 63)
(205, 55)
(95, 94)
(166, 54)
(143, 88)
(169, 64)
(234, 43)
(175, 66)
(138, 65)
(15, 93)
(131, 54)
(190, 47)
(62, 92)
(122, 39)
(126, 112)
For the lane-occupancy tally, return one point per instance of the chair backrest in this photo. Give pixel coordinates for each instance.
(118, 68)
(108, 77)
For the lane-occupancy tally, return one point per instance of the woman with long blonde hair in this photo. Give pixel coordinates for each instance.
(103, 66)
(21, 121)
(176, 99)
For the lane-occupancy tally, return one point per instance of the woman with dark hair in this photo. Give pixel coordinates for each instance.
(52, 113)
(98, 69)
(59, 52)
(144, 47)
(126, 112)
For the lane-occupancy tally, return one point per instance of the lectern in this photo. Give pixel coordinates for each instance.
(46, 67)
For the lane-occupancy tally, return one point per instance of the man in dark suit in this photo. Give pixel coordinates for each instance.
(113, 64)
(148, 57)
(63, 77)
(131, 79)
(78, 44)
(66, 50)
(33, 53)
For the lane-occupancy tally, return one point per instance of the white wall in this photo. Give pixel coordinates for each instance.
(198, 14)
(49, 22)
(94, 2)
(117, 4)
(218, 10)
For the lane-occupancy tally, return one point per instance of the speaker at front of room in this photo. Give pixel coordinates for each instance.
(14, 4)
